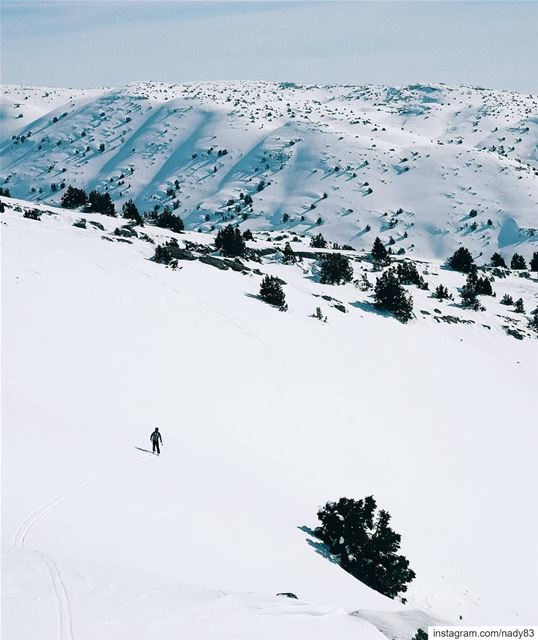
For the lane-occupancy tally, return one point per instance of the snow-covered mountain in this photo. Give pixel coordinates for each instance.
(265, 416)
(353, 162)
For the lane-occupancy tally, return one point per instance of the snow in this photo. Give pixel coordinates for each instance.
(265, 416)
(435, 152)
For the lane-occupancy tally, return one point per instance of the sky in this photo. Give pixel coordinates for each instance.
(83, 43)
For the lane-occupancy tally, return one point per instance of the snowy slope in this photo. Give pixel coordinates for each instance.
(409, 162)
(265, 416)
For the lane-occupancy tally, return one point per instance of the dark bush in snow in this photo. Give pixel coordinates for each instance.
(518, 262)
(461, 260)
(33, 214)
(420, 635)
(130, 212)
(271, 292)
(73, 198)
(441, 293)
(168, 220)
(247, 235)
(379, 252)
(518, 306)
(318, 242)
(4, 191)
(497, 260)
(507, 299)
(534, 261)
(81, 224)
(408, 274)
(335, 269)
(390, 296)
(289, 255)
(365, 544)
(230, 242)
(100, 203)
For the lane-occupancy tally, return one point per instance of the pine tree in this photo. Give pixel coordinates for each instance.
(469, 294)
(73, 198)
(518, 262)
(461, 260)
(289, 255)
(271, 291)
(131, 212)
(408, 274)
(379, 252)
(4, 191)
(390, 296)
(441, 293)
(497, 260)
(365, 545)
(168, 220)
(101, 203)
(534, 261)
(247, 235)
(507, 299)
(230, 242)
(318, 242)
(335, 269)
(518, 306)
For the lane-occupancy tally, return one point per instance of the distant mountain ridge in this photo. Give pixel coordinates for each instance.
(427, 168)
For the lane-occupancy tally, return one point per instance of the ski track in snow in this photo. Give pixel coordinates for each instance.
(65, 624)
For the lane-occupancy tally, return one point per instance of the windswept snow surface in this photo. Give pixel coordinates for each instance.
(354, 162)
(265, 416)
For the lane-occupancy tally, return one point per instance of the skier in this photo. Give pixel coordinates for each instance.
(155, 439)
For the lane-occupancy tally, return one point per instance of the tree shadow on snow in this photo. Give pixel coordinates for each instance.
(371, 308)
(318, 546)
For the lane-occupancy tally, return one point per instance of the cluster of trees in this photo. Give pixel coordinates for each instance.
(94, 202)
(365, 545)
(335, 269)
(231, 242)
(4, 191)
(463, 261)
(167, 220)
(474, 287)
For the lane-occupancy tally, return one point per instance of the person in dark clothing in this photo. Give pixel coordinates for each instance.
(155, 438)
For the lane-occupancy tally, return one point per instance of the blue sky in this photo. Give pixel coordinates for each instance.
(83, 43)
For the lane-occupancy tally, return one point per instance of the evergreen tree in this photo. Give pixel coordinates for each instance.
(534, 261)
(379, 252)
(469, 293)
(73, 198)
(461, 260)
(271, 291)
(100, 203)
(365, 544)
(318, 242)
(441, 293)
(518, 306)
(4, 191)
(497, 260)
(421, 635)
(247, 235)
(335, 269)
(408, 274)
(507, 299)
(131, 212)
(289, 255)
(230, 242)
(390, 296)
(168, 220)
(518, 262)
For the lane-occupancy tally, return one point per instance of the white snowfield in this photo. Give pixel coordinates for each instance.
(265, 416)
(354, 162)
